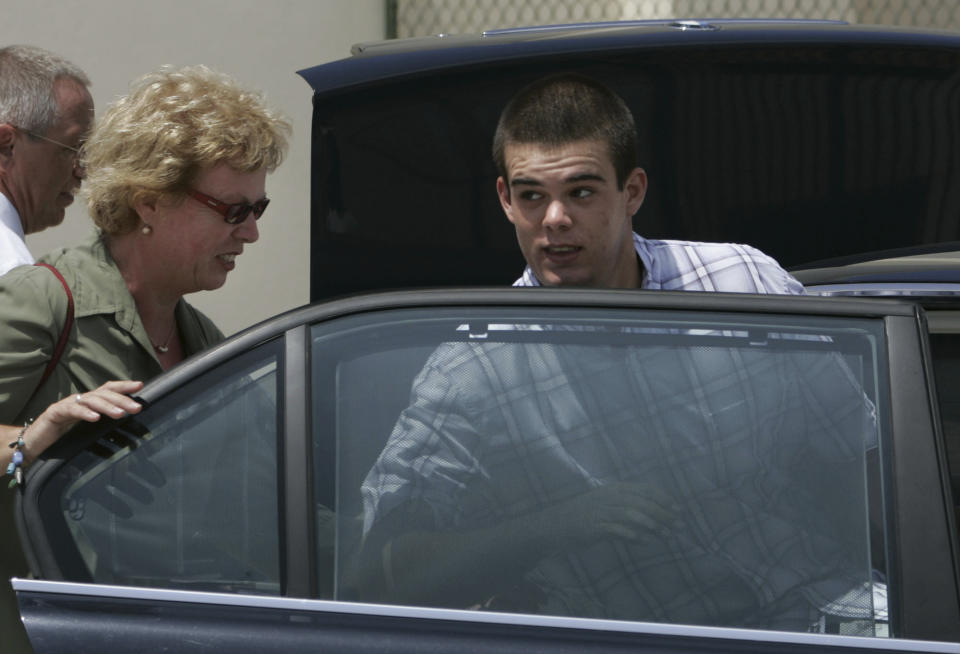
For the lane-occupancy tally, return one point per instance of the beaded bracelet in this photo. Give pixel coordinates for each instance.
(15, 467)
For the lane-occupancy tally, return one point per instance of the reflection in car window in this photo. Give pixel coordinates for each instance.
(655, 466)
(183, 495)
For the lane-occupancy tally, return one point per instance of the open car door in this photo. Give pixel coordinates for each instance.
(265, 498)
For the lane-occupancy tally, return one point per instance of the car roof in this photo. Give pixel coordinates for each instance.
(379, 61)
(925, 271)
(933, 264)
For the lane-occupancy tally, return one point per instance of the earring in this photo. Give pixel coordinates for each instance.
(146, 230)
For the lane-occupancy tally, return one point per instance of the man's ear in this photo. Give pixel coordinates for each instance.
(8, 135)
(503, 192)
(635, 187)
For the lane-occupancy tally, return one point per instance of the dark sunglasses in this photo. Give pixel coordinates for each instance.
(234, 214)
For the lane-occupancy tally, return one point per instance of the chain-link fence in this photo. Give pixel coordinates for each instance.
(427, 17)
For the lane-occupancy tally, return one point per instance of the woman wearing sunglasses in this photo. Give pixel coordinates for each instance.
(176, 176)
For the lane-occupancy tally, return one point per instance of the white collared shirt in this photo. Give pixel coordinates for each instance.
(13, 247)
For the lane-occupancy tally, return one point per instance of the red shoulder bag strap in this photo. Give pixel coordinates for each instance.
(62, 343)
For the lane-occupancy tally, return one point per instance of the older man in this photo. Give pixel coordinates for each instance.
(45, 113)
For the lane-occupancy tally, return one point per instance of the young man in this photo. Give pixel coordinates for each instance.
(570, 182)
(45, 113)
(569, 478)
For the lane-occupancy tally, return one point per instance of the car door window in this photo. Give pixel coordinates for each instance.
(183, 495)
(670, 467)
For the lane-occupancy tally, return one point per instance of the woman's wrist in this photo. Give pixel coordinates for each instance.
(15, 467)
(44, 432)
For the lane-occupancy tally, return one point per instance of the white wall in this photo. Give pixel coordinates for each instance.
(261, 44)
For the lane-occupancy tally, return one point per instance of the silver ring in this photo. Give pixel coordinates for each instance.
(77, 398)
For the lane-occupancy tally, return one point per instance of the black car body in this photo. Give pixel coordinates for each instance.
(228, 516)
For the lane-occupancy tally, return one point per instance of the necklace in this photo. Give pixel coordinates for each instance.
(163, 349)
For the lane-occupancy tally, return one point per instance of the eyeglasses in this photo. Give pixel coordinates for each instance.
(234, 214)
(73, 150)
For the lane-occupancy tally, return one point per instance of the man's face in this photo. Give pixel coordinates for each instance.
(573, 223)
(41, 177)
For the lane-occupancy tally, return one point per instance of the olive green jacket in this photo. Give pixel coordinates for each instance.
(107, 342)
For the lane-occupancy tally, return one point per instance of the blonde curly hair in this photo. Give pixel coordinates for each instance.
(175, 123)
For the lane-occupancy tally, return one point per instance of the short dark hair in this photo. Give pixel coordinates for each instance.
(568, 107)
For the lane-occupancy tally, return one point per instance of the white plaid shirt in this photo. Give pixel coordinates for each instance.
(689, 266)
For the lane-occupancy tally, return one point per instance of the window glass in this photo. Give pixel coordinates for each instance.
(638, 465)
(184, 495)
